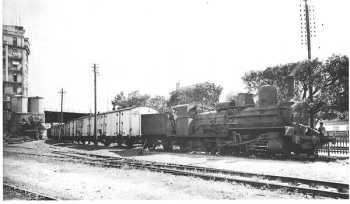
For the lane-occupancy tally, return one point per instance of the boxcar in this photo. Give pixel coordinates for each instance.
(122, 126)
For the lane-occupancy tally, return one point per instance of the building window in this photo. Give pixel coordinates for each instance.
(15, 41)
(14, 51)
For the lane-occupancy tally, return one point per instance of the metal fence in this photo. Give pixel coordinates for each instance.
(339, 149)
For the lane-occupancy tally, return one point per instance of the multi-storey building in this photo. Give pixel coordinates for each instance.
(16, 49)
(19, 110)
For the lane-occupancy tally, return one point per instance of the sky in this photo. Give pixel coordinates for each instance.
(150, 45)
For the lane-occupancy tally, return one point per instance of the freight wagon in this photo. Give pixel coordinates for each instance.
(122, 126)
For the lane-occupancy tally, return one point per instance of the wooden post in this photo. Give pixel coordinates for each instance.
(95, 104)
(61, 116)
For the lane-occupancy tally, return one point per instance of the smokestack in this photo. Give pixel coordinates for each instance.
(178, 85)
(290, 80)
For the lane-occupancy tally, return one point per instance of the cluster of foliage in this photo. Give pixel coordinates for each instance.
(158, 103)
(134, 98)
(206, 94)
(326, 98)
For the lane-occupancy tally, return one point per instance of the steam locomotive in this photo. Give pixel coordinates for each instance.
(236, 127)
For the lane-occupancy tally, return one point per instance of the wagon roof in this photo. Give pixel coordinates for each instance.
(113, 111)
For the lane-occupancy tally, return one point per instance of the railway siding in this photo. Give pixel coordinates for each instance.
(289, 184)
(15, 192)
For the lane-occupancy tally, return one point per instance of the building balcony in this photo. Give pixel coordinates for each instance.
(25, 46)
(15, 52)
(12, 83)
(15, 69)
(15, 56)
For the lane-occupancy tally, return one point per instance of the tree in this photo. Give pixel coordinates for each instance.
(119, 101)
(158, 103)
(134, 99)
(206, 94)
(329, 86)
(137, 99)
(275, 76)
(336, 88)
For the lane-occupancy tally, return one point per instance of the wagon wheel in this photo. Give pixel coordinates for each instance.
(182, 145)
(106, 142)
(95, 142)
(119, 141)
(148, 143)
(129, 143)
(167, 144)
(210, 146)
(145, 144)
(213, 150)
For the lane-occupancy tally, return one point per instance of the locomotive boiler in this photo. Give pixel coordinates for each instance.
(238, 126)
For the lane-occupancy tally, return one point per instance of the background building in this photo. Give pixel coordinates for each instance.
(16, 50)
(20, 112)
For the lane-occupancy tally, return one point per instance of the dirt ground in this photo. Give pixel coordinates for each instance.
(83, 182)
(337, 171)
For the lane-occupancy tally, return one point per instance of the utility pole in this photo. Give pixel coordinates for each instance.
(307, 26)
(95, 97)
(309, 70)
(308, 40)
(61, 92)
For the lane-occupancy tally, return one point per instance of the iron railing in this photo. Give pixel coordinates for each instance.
(339, 149)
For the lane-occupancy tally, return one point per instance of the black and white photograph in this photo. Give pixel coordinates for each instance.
(175, 100)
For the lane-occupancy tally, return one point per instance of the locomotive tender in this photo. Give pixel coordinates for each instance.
(239, 126)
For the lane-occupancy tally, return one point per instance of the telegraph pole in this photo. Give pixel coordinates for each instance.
(307, 26)
(61, 92)
(309, 70)
(308, 40)
(95, 97)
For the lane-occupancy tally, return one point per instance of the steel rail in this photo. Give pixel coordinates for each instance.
(169, 168)
(115, 162)
(28, 193)
(327, 184)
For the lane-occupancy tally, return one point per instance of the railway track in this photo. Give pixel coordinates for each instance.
(25, 193)
(289, 184)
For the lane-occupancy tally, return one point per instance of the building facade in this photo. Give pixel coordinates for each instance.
(16, 49)
(21, 114)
